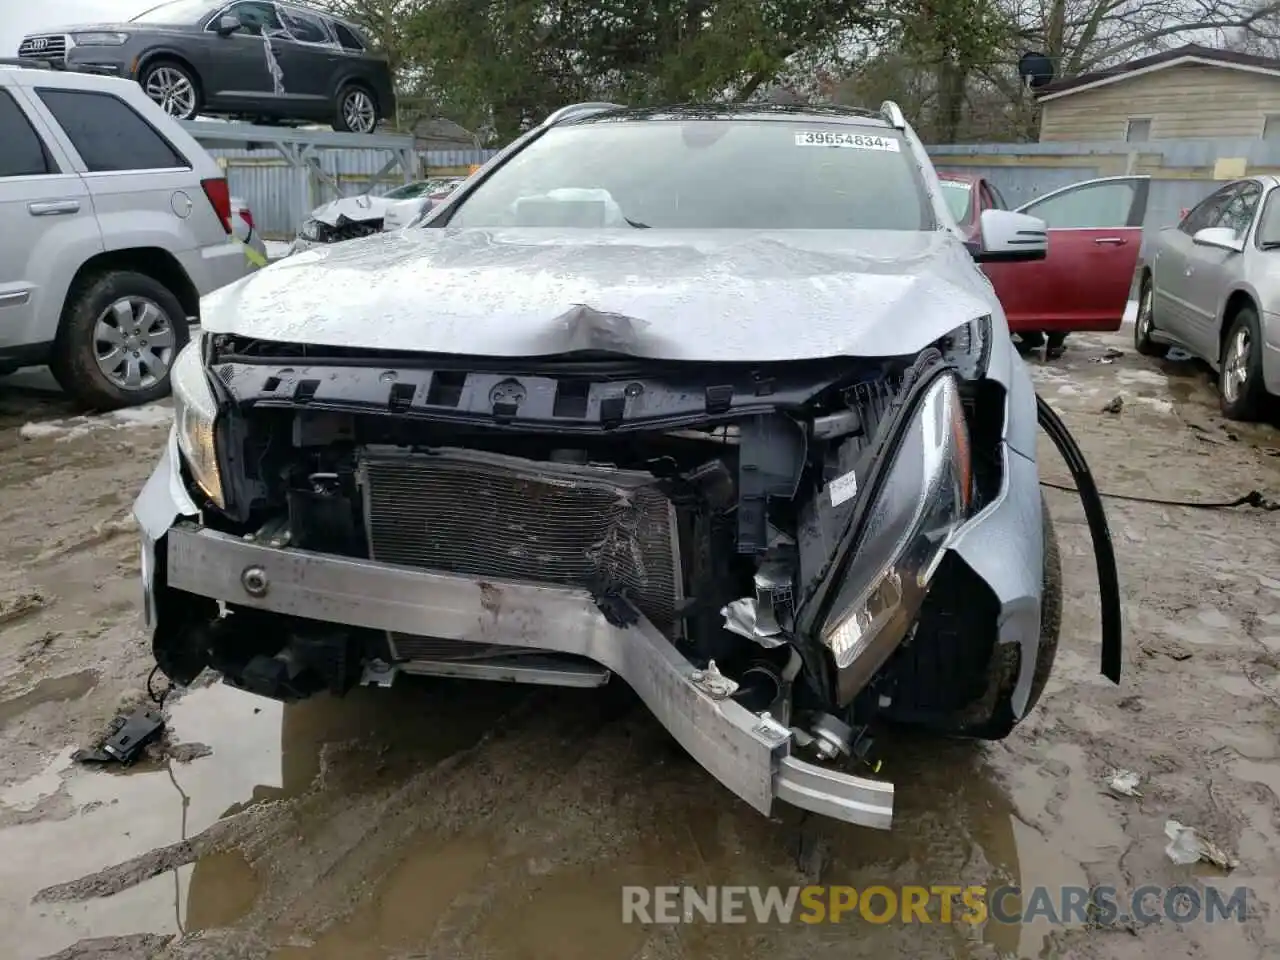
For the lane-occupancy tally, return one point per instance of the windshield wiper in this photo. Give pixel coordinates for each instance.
(638, 226)
(1269, 245)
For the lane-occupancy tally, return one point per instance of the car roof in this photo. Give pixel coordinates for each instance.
(828, 113)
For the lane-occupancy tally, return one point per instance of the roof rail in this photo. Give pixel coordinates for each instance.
(892, 114)
(30, 63)
(575, 109)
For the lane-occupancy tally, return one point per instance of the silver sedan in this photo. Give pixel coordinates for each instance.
(1212, 286)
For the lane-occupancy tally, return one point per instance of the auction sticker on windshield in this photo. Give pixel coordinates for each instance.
(838, 138)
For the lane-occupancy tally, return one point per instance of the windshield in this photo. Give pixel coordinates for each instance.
(705, 174)
(179, 11)
(958, 196)
(408, 191)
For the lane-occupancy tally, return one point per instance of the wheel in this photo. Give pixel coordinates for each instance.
(1240, 372)
(174, 87)
(356, 111)
(1144, 323)
(120, 334)
(1054, 345)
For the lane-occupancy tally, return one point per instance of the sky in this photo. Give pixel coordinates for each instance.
(21, 17)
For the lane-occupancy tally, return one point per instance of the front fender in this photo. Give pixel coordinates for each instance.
(1021, 425)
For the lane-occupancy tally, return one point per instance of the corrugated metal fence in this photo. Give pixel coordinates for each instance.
(270, 186)
(1182, 172)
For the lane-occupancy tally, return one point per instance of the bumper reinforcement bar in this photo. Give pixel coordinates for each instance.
(747, 754)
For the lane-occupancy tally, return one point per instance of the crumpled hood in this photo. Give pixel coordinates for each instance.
(673, 295)
(361, 208)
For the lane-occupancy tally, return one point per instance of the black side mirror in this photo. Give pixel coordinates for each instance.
(228, 24)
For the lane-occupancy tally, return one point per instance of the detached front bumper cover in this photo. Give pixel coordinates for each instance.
(747, 753)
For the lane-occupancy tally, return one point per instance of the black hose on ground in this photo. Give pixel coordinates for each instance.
(1103, 550)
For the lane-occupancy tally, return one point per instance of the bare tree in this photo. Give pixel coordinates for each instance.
(1084, 35)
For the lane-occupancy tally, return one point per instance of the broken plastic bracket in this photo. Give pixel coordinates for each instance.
(617, 608)
(125, 741)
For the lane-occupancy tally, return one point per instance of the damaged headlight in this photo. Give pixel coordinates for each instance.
(969, 347)
(921, 500)
(310, 230)
(195, 411)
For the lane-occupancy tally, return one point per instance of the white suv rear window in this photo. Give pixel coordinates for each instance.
(21, 152)
(107, 132)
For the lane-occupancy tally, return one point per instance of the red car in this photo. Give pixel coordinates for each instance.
(1095, 234)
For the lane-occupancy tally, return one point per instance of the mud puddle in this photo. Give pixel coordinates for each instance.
(79, 821)
(457, 862)
(95, 819)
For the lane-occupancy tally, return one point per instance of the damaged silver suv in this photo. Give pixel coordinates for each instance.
(612, 408)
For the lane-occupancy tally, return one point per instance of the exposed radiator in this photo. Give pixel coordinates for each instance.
(490, 515)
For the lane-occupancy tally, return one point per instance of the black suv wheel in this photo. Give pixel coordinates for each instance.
(173, 86)
(355, 110)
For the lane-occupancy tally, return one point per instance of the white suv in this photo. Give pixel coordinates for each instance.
(113, 223)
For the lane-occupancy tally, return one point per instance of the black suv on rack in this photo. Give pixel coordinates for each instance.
(250, 59)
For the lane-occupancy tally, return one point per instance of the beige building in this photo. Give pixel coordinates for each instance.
(1192, 91)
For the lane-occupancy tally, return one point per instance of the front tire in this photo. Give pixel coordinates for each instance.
(960, 681)
(1144, 324)
(356, 111)
(1240, 383)
(174, 87)
(120, 333)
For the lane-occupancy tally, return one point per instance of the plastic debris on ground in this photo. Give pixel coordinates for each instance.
(126, 738)
(1177, 355)
(1114, 406)
(1124, 783)
(1187, 846)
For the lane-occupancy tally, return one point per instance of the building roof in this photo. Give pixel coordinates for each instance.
(1191, 53)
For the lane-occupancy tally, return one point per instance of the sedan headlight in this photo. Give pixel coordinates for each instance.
(924, 497)
(195, 412)
(99, 39)
(310, 230)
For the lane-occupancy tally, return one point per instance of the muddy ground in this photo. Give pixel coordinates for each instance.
(481, 821)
